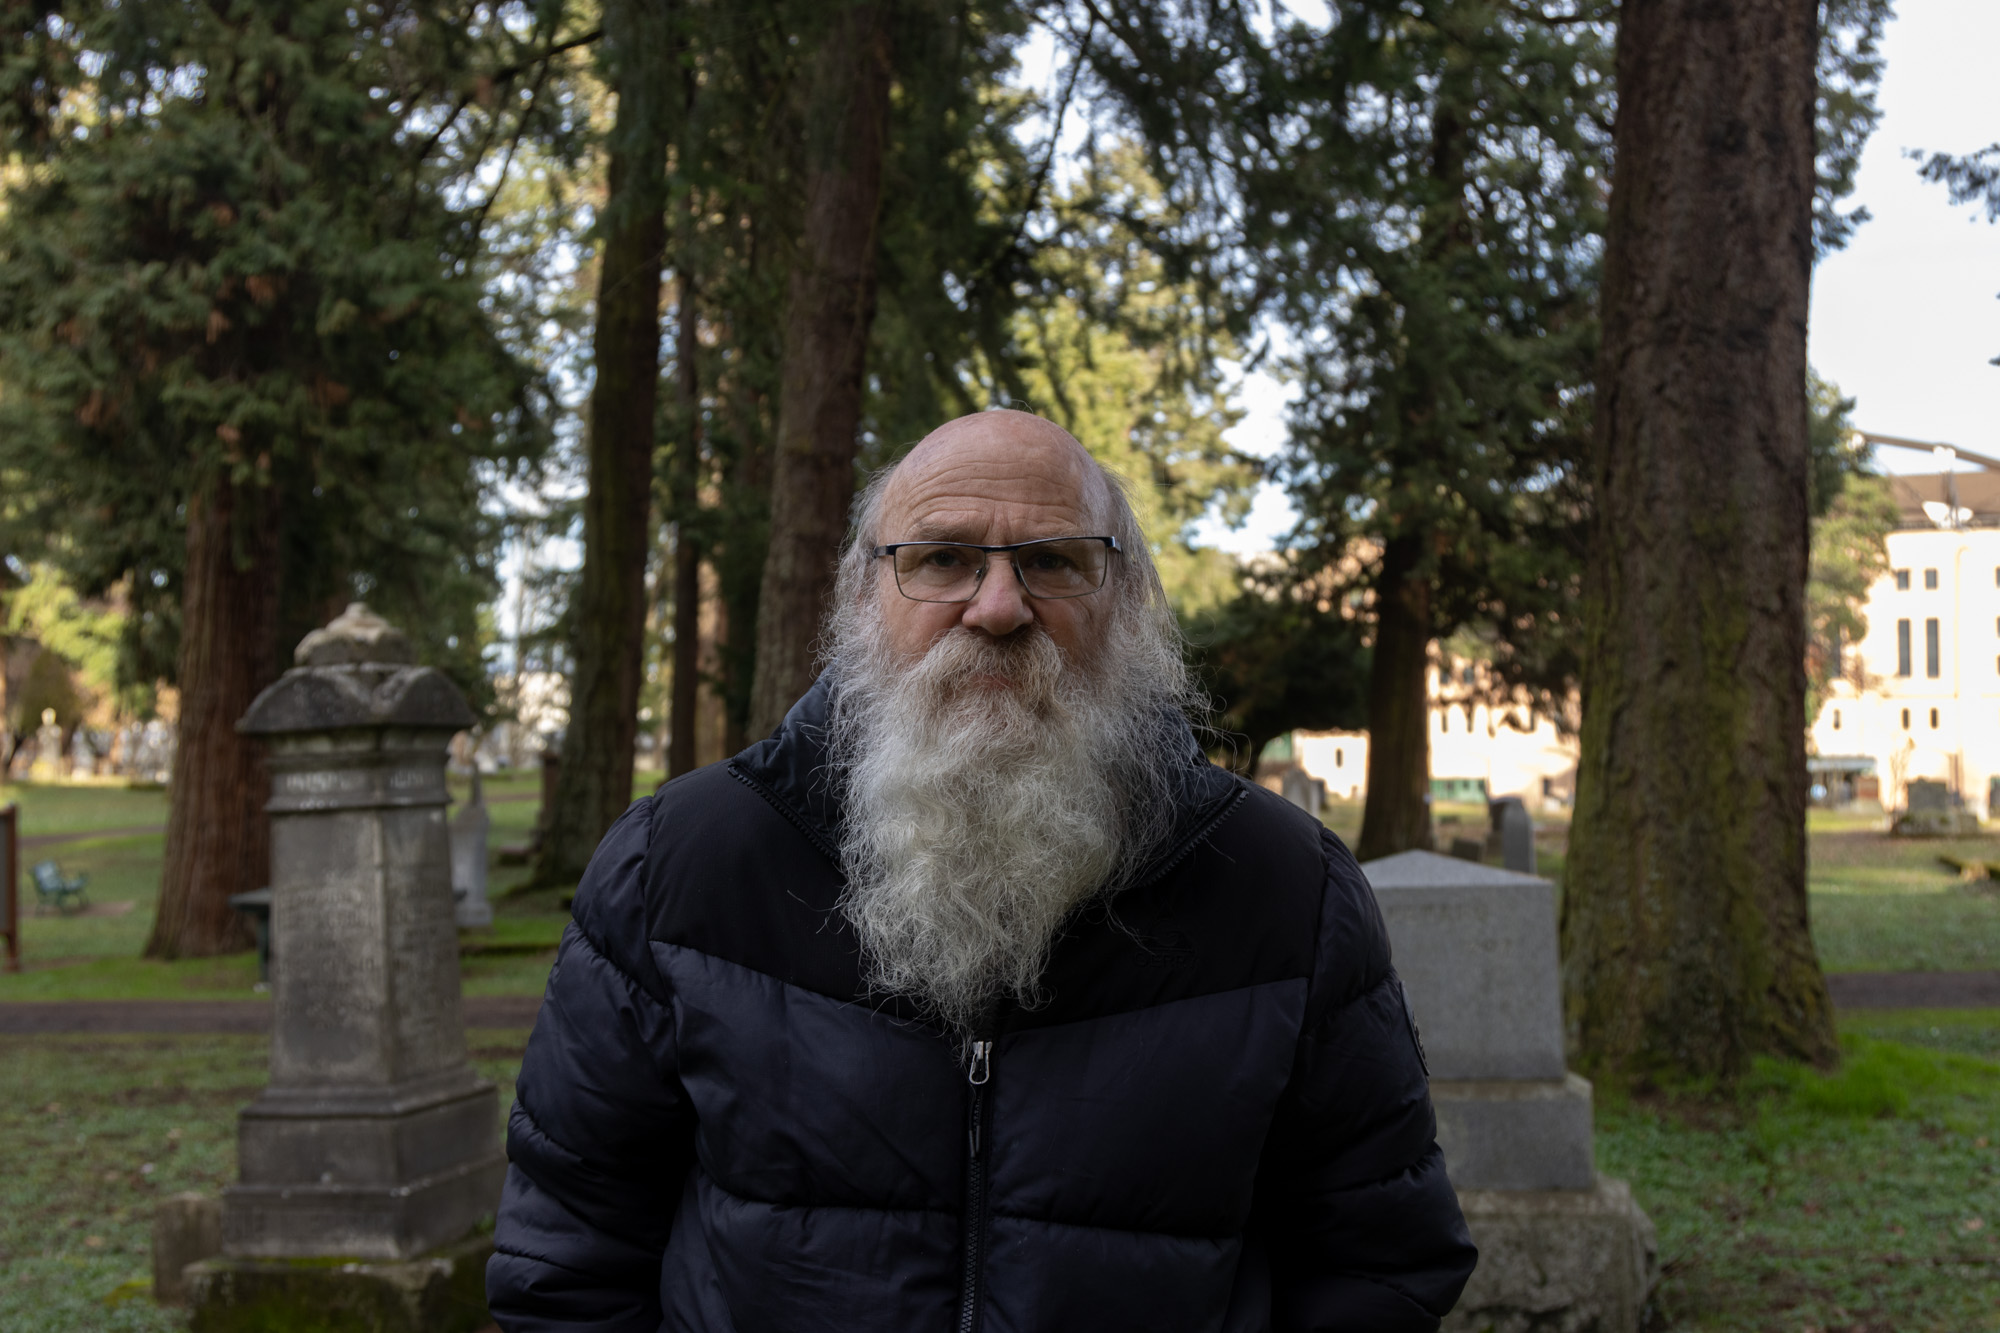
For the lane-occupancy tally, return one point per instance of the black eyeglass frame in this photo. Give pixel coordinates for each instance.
(979, 579)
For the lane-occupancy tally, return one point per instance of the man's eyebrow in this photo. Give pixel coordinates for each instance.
(931, 530)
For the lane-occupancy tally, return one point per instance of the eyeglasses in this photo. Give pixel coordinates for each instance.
(953, 571)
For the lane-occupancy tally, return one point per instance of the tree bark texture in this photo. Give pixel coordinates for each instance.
(218, 836)
(687, 555)
(1686, 949)
(1397, 814)
(829, 309)
(595, 784)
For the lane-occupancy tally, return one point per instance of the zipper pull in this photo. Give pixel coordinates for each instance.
(981, 1067)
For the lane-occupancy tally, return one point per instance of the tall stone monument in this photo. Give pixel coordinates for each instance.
(375, 1140)
(1560, 1246)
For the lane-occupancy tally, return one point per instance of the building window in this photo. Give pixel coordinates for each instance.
(1339, 758)
(1903, 579)
(1906, 719)
(1933, 719)
(1836, 719)
(1931, 648)
(1930, 579)
(1902, 647)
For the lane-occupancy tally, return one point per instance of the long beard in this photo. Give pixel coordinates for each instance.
(988, 790)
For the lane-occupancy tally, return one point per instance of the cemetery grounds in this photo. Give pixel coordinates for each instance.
(1864, 1201)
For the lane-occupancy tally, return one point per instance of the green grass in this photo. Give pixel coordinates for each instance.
(1804, 1202)
(77, 807)
(93, 1132)
(1867, 1199)
(1887, 904)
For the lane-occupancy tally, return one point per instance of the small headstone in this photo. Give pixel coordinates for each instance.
(1468, 849)
(1922, 796)
(187, 1228)
(1308, 793)
(469, 830)
(1516, 828)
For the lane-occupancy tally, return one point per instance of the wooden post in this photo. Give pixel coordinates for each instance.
(10, 884)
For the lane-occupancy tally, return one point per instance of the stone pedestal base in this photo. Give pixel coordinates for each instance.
(1557, 1261)
(440, 1292)
(1515, 1134)
(382, 1173)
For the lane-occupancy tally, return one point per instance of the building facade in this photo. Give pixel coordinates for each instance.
(1919, 695)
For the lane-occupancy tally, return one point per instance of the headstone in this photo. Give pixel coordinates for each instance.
(1931, 811)
(187, 1228)
(375, 1138)
(1308, 793)
(1513, 834)
(1475, 948)
(1467, 849)
(469, 830)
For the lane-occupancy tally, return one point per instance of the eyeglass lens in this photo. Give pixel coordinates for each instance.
(942, 572)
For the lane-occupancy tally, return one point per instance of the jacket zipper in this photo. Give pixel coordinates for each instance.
(979, 1071)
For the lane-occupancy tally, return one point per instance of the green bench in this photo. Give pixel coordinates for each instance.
(52, 888)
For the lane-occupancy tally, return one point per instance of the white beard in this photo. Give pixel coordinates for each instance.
(977, 816)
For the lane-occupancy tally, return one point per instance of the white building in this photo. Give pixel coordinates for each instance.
(1919, 695)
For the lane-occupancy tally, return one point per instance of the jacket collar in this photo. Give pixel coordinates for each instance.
(789, 768)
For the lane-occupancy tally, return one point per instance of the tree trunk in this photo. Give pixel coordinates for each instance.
(1686, 950)
(830, 307)
(218, 836)
(687, 555)
(1397, 815)
(595, 784)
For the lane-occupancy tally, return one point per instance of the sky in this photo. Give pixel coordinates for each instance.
(1905, 319)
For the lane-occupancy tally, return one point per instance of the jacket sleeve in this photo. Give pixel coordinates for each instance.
(601, 1136)
(1364, 1231)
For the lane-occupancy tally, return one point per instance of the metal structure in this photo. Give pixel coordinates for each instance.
(1925, 447)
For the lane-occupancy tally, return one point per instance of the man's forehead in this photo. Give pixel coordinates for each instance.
(997, 466)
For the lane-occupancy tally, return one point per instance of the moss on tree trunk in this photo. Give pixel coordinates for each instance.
(1686, 950)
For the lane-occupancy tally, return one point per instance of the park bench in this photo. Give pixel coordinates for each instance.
(51, 887)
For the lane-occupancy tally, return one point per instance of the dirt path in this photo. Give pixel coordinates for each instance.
(1851, 990)
(224, 1016)
(32, 841)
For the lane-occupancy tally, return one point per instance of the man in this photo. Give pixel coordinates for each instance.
(976, 998)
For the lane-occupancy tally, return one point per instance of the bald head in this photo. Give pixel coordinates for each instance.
(1002, 469)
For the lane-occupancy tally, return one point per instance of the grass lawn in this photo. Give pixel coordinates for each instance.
(95, 955)
(1868, 1200)
(95, 1130)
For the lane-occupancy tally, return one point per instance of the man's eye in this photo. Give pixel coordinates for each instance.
(945, 559)
(1049, 562)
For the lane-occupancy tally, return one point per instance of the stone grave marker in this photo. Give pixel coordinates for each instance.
(1476, 950)
(375, 1141)
(470, 828)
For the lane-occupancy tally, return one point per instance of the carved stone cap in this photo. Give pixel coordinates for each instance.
(355, 635)
(357, 672)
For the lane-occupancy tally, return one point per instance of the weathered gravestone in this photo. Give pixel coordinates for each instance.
(1929, 811)
(470, 828)
(1560, 1247)
(375, 1142)
(1513, 834)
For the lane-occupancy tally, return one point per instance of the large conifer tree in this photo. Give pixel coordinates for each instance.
(243, 360)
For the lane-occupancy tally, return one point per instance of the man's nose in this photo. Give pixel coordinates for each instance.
(1001, 605)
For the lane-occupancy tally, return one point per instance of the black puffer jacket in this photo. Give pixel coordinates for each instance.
(1218, 1120)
